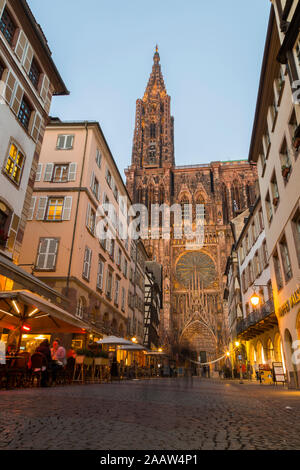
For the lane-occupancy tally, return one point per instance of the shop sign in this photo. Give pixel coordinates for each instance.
(286, 307)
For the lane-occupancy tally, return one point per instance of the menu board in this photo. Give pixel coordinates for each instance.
(2, 353)
(279, 375)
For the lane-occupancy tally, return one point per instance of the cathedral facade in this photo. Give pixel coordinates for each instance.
(193, 314)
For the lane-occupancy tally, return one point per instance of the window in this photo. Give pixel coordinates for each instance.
(108, 177)
(14, 164)
(47, 254)
(109, 284)
(55, 209)
(100, 275)
(87, 263)
(277, 270)
(265, 254)
(286, 165)
(296, 233)
(7, 26)
(119, 256)
(112, 249)
(275, 192)
(261, 220)
(269, 208)
(60, 173)
(98, 158)
(80, 307)
(25, 113)
(34, 73)
(125, 267)
(285, 259)
(91, 219)
(2, 68)
(95, 187)
(266, 144)
(117, 291)
(65, 142)
(123, 299)
(152, 131)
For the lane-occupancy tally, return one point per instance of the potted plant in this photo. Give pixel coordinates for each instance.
(101, 358)
(296, 138)
(275, 201)
(285, 169)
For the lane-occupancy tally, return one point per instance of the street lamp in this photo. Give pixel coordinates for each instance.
(255, 298)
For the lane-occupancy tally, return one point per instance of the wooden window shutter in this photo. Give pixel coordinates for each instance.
(72, 172)
(2, 5)
(9, 87)
(69, 141)
(13, 233)
(87, 263)
(51, 253)
(88, 215)
(38, 175)
(31, 208)
(45, 88)
(36, 126)
(21, 46)
(28, 58)
(18, 96)
(92, 180)
(66, 215)
(60, 141)
(42, 208)
(48, 172)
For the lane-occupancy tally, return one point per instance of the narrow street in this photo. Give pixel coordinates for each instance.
(168, 414)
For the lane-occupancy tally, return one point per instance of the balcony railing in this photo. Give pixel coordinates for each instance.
(255, 317)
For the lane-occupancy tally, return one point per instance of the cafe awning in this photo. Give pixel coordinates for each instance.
(23, 308)
(133, 347)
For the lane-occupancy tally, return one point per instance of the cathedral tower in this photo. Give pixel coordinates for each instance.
(193, 313)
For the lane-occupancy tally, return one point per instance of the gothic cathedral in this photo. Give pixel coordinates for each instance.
(193, 314)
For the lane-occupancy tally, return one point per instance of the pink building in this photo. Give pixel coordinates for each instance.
(76, 174)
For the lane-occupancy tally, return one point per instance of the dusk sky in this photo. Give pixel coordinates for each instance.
(211, 54)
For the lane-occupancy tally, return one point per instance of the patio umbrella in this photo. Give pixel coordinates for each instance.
(115, 341)
(26, 311)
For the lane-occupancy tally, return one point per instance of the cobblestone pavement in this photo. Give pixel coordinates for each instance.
(162, 414)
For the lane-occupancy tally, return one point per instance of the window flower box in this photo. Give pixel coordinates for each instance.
(275, 201)
(296, 138)
(285, 170)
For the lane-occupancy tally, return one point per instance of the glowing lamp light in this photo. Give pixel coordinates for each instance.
(254, 300)
(160, 350)
(16, 306)
(237, 344)
(134, 340)
(228, 354)
(26, 328)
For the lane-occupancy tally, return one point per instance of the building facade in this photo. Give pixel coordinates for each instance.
(71, 243)
(28, 80)
(275, 148)
(225, 189)
(153, 304)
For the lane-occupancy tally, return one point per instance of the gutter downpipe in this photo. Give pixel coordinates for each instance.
(77, 207)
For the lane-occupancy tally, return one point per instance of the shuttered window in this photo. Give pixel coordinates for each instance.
(36, 126)
(48, 172)
(24, 112)
(65, 142)
(98, 158)
(55, 209)
(47, 254)
(87, 263)
(123, 298)
(100, 275)
(91, 219)
(41, 211)
(7, 26)
(28, 57)
(34, 73)
(117, 288)
(72, 172)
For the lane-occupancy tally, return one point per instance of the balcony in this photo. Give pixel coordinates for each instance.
(257, 322)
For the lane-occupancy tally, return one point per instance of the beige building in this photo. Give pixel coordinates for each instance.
(63, 240)
(275, 148)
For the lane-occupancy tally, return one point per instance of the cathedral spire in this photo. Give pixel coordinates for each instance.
(153, 143)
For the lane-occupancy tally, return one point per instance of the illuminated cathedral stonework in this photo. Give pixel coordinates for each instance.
(193, 280)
